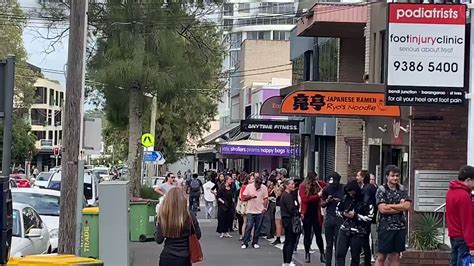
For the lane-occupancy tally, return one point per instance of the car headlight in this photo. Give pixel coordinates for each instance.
(54, 233)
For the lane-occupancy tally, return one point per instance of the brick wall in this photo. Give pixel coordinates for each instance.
(347, 128)
(425, 258)
(355, 156)
(438, 140)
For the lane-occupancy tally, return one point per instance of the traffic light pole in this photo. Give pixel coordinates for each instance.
(8, 119)
(5, 196)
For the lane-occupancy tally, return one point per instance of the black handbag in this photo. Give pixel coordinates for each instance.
(296, 224)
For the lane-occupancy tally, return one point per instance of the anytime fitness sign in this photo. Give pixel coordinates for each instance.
(425, 64)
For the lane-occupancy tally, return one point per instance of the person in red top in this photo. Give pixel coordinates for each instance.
(460, 215)
(310, 192)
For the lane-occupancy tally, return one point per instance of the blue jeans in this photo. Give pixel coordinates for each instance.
(253, 220)
(458, 249)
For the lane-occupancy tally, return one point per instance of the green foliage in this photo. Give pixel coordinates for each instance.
(11, 42)
(147, 192)
(23, 141)
(164, 50)
(427, 232)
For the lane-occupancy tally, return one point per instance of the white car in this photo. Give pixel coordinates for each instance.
(91, 186)
(42, 179)
(103, 172)
(46, 202)
(30, 235)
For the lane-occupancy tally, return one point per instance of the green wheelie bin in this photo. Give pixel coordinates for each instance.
(142, 219)
(90, 233)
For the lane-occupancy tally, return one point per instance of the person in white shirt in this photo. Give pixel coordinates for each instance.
(209, 197)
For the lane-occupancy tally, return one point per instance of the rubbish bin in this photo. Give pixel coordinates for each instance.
(142, 219)
(90, 233)
(57, 260)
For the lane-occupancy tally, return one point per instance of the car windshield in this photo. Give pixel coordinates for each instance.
(43, 176)
(55, 184)
(102, 172)
(43, 204)
(16, 228)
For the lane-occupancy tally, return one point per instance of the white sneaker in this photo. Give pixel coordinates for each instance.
(291, 264)
(221, 236)
(285, 264)
(243, 246)
(227, 235)
(256, 246)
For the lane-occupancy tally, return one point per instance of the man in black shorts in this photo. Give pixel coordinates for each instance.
(392, 201)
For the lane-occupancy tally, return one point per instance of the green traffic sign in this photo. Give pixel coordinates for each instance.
(148, 140)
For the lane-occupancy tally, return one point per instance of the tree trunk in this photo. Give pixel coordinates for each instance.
(72, 127)
(134, 139)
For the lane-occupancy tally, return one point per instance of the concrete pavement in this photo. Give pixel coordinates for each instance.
(217, 251)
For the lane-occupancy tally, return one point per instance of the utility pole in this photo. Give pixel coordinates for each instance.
(72, 127)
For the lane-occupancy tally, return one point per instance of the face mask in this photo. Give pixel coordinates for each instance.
(331, 180)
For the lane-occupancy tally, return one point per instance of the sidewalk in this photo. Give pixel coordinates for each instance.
(298, 257)
(217, 251)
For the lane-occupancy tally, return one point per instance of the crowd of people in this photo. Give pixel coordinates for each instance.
(361, 216)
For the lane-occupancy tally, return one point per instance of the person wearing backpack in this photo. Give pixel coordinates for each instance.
(194, 189)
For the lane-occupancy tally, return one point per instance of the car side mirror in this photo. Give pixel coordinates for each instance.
(34, 233)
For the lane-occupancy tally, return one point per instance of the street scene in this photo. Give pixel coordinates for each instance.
(236, 132)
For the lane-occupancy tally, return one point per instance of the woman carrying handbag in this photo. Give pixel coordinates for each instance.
(179, 230)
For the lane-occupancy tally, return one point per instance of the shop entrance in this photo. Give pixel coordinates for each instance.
(396, 155)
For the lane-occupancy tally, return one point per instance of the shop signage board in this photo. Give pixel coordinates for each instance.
(272, 106)
(333, 103)
(270, 126)
(425, 55)
(256, 150)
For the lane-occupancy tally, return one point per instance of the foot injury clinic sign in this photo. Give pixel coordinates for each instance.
(425, 57)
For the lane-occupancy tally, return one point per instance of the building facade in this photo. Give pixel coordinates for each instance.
(46, 119)
(251, 20)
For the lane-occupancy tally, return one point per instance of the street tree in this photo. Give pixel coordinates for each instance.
(156, 49)
(11, 42)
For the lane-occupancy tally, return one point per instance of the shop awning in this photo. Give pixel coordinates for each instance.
(256, 147)
(210, 139)
(337, 20)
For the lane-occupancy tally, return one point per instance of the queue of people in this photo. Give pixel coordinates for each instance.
(276, 206)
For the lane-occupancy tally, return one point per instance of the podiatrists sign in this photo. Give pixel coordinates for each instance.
(270, 126)
(425, 64)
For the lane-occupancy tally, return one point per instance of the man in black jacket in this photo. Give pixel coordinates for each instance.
(357, 217)
(332, 195)
(368, 192)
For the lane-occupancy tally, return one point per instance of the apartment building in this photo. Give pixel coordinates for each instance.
(250, 20)
(46, 116)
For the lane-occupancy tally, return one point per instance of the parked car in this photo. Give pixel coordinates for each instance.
(42, 179)
(46, 202)
(103, 172)
(21, 180)
(91, 186)
(12, 182)
(30, 235)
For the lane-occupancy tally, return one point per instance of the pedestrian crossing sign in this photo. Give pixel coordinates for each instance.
(148, 140)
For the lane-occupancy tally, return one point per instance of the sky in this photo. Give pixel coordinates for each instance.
(36, 46)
